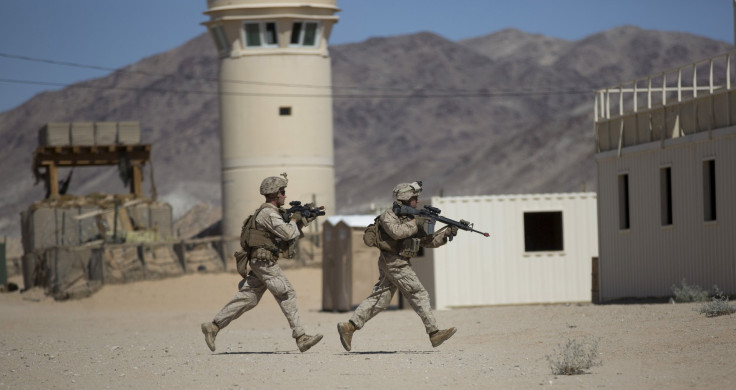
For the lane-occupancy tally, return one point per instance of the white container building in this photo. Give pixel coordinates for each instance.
(540, 250)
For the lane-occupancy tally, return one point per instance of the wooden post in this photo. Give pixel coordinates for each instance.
(136, 186)
(53, 180)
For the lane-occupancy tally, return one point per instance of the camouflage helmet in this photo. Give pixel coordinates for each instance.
(272, 184)
(405, 191)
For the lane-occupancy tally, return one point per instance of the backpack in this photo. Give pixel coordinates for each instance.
(371, 234)
(375, 237)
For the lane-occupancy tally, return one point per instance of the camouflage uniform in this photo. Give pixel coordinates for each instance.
(264, 236)
(266, 275)
(396, 274)
(399, 239)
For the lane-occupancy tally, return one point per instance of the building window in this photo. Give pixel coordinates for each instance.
(262, 34)
(543, 231)
(304, 34)
(665, 195)
(709, 190)
(285, 111)
(218, 34)
(623, 202)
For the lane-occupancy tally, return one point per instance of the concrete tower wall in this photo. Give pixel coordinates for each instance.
(275, 105)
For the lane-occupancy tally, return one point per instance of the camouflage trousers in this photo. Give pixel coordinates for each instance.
(395, 274)
(263, 275)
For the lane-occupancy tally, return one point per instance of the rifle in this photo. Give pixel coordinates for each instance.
(432, 214)
(307, 211)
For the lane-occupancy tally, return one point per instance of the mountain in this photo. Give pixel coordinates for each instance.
(509, 112)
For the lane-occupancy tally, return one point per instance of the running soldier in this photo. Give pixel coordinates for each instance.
(399, 239)
(265, 235)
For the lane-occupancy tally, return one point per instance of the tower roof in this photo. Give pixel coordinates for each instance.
(228, 5)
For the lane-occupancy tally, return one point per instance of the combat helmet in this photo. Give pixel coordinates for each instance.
(404, 191)
(272, 184)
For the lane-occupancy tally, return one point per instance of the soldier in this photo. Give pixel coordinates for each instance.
(401, 238)
(264, 236)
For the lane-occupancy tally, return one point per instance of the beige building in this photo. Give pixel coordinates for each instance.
(666, 160)
(275, 100)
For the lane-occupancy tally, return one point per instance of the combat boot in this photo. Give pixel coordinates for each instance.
(439, 337)
(346, 330)
(305, 341)
(210, 332)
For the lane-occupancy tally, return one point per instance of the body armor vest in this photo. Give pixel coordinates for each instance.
(262, 244)
(405, 247)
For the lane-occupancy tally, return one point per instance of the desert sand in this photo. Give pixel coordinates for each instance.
(146, 335)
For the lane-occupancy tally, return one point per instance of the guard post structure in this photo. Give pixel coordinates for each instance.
(78, 144)
(275, 101)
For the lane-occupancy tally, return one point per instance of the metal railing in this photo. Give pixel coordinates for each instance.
(690, 87)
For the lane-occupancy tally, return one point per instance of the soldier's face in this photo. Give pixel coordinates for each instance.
(413, 201)
(282, 197)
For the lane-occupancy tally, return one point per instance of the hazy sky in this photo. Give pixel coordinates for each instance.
(112, 34)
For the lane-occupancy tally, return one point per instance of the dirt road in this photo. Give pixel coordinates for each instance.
(146, 335)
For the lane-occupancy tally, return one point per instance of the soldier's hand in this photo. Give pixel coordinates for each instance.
(421, 221)
(453, 230)
(296, 216)
(310, 217)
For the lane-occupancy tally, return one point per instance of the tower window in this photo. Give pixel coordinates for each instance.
(285, 111)
(543, 231)
(624, 222)
(304, 34)
(263, 34)
(709, 190)
(218, 34)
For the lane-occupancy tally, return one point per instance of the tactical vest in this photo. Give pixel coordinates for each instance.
(405, 247)
(263, 244)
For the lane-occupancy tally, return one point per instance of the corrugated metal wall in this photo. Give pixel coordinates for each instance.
(474, 270)
(648, 259)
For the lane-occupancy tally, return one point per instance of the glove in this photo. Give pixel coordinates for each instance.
(309, 217)
(453, 231)
(421, 222)
(296, 216)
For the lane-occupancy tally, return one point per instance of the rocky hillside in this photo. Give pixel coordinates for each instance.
(509, 112)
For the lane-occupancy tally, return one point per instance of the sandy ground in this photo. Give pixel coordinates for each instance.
(146, 335)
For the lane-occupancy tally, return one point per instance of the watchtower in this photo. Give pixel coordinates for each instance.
(275, 100)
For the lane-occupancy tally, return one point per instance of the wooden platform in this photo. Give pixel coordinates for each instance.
(52, 157)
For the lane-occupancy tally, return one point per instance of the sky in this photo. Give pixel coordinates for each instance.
(36, 36)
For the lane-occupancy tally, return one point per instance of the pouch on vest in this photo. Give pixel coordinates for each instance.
(264, 254)
(288, 249)
(241, 262)
(410, 247)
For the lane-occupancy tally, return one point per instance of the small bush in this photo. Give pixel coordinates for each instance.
(718, 306)
(689, 293)
(574, 357)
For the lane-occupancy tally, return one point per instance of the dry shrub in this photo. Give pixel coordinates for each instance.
(689, 293)
(574, 357)
(718, 305)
